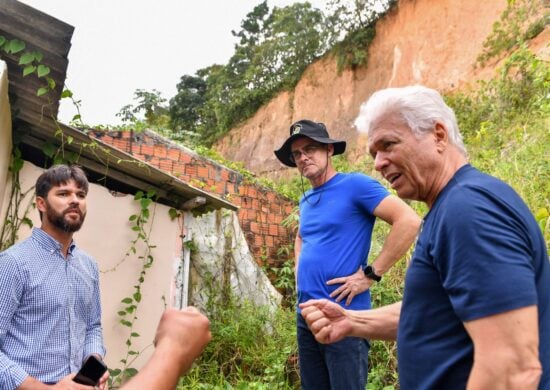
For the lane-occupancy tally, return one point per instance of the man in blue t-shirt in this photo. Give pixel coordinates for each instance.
(332, 245)
(476, 307)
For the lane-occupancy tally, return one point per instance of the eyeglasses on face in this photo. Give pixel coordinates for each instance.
(307, 151)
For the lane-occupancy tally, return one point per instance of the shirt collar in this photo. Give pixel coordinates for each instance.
(48, 242)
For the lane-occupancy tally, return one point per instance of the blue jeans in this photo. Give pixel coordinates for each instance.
(338, 366)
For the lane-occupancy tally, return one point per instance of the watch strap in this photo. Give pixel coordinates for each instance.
(369, 273)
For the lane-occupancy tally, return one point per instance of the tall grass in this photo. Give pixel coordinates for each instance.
(251, 348)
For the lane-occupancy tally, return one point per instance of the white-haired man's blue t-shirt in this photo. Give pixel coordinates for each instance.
(480, 253)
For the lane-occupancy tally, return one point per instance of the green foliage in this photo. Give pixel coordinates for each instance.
(274, 49)
(352, 51)
(505, 126)
(184, 107)
(353, 26)
(284, 277)
(31, 62)
(513, 29)
(252, 348)
(13, 220)
(150, 103)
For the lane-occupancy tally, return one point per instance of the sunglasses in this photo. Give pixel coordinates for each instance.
(307, 151)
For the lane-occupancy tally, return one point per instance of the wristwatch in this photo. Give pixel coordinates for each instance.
(369, 273)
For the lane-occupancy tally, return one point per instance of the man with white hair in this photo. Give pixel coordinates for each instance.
(476, 306)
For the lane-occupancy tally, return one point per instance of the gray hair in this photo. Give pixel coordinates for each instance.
(418, 107)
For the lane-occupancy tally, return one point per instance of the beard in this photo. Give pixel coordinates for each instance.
(60, 221)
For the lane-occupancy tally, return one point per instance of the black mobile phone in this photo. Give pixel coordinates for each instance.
(90, 372)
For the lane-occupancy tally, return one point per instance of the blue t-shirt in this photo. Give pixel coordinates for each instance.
(480, 253)
(336, 222)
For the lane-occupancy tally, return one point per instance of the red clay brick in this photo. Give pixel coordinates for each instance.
(147, 150)
(230, 189)
(243, 214)
(274, 218)
(166, 165)
(252, 192)
(107, 139)
(258, 240)
(261, 217)
(155, 161)
(275, 208)
(220, 187)
(254, 227)
(160, 151)
(120, 144)
(252, 215)
(173, 154)
(273, 229)
(203, 172)
(191, 170)
(282, 231)
(178, 168)
(185, 158)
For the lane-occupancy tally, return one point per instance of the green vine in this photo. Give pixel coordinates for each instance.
(13, 222)
(31, 61)
(128, 314)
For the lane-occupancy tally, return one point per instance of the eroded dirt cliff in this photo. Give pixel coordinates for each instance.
(430, 42)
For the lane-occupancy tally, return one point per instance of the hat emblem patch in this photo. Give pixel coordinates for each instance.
(296, 129)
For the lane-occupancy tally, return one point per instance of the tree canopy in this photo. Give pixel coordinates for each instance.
(273, 49)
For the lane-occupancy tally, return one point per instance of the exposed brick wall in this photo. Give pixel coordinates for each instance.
(261, 210)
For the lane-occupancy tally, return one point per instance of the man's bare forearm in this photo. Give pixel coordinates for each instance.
(375, 324)
(405, 224)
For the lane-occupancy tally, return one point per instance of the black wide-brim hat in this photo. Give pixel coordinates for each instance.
(306, 128)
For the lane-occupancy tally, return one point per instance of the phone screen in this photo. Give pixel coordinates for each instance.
(90, 372)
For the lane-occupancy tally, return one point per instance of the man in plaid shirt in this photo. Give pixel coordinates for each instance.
(50, 311)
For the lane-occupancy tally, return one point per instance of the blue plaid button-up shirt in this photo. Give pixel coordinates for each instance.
(50, 311)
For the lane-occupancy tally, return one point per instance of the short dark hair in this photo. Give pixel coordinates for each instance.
(60, 174)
